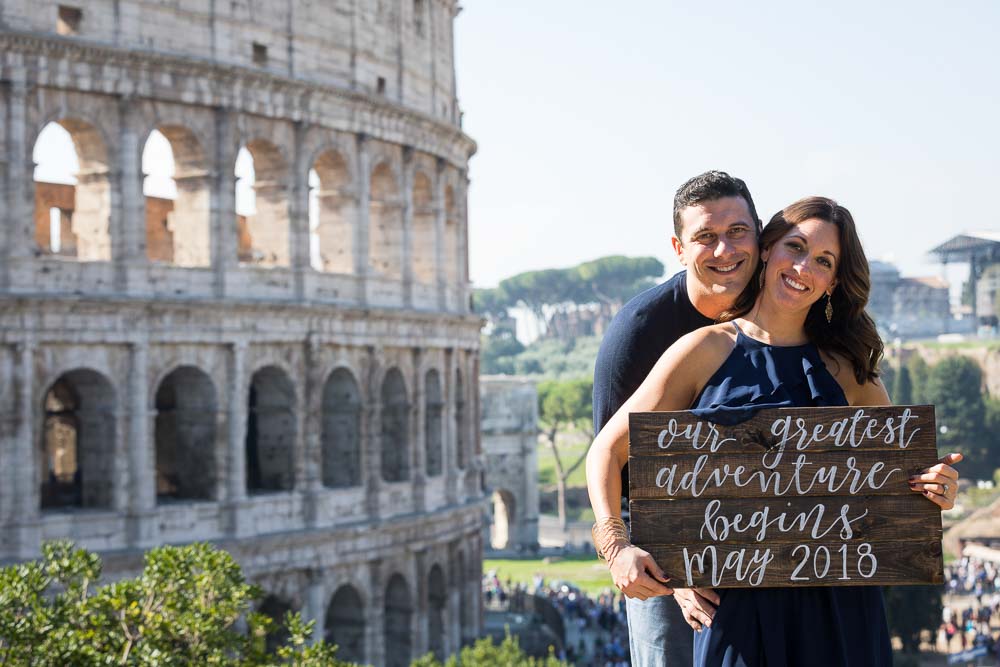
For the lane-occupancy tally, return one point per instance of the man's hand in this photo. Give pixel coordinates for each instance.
(698, 606)
(637, 575)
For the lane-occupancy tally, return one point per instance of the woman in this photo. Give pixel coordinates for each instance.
(797, 336)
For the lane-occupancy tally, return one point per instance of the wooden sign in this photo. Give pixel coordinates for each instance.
(791, 497)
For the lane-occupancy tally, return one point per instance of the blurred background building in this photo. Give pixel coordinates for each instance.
(275, 350)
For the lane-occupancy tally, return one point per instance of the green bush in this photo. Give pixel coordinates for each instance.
(484, 653)
(182, 610)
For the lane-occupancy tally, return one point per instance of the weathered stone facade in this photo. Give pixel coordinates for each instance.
(510, 444)
(173, 371)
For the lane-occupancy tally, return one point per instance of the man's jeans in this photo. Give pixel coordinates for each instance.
(657, 633)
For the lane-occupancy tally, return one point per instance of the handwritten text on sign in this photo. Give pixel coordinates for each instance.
(793, 496)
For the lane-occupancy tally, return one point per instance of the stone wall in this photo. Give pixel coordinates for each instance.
(510, 443)
(181, 373)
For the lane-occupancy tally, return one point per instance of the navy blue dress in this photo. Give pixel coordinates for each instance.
(772, 627)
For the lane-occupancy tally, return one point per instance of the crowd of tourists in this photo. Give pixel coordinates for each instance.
(596, 631)
(970, 624)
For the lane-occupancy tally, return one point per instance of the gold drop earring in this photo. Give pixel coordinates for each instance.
(829, 307)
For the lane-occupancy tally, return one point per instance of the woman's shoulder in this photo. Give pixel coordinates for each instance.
(871, 392)
(709, 341)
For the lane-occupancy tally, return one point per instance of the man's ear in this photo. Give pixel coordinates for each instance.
(678, 249)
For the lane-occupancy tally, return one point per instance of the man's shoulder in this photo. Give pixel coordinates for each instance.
(665, 301)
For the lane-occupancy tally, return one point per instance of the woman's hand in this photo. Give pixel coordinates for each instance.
(698, 606)
(939, 482)
(637, 575)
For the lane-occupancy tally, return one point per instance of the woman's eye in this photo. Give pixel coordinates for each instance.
(825, 262)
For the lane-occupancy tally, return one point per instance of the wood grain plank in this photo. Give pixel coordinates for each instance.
(683, 432)
(871, 473)
(915, 561)
(696, 522)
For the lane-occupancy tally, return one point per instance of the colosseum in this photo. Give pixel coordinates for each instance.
(295, 379)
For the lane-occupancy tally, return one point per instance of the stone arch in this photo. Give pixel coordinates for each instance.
(395, 428)
(424, 230)
(433, 423)
(504, 519)
(458, 583)
(452, 238)
(385, 222)
(398, 622)
(341, 430)
(184, 433)
(264, 233)
(177, 220)
(78, 441)
(345, 624)
(73, 216)
(461, 422)
(270, 439)
(437, 601)
(275, 607)
(332, 214)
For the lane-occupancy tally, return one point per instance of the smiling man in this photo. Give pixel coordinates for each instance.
(716, 230)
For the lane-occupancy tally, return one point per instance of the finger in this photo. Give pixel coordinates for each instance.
(941, 469)
(930, 476)
(702, 616)
(941, 501)
(709, 594)
(939, 489)
(654, 586)
(953, 457)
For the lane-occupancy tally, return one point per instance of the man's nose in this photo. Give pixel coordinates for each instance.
(723, 247)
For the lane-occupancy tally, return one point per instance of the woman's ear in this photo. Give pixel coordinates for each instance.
(764, 254)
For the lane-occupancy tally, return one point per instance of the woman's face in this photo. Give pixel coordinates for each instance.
(802, 264)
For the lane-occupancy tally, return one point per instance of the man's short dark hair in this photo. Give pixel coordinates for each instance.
(710, 186)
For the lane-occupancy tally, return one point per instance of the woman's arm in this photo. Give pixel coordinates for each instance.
(673, 384)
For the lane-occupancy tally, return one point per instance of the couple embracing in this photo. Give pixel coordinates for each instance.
(770, 316)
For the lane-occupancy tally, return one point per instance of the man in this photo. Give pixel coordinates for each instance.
(716, 231)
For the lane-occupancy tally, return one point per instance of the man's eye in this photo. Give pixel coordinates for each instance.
(738, 231)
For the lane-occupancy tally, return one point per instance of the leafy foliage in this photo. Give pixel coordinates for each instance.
(184, 609)
(498, 354)
(564, 405)
(919, 372)
(610, 280)
(484, 653)
(546, 357)
(902, 388)
(954, 386)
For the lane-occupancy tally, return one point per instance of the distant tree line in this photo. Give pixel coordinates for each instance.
(606, 283)
(968, 418)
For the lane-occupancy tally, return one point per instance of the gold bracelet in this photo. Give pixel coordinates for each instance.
(610, 535)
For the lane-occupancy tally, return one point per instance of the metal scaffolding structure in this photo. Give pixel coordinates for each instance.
(979, 250)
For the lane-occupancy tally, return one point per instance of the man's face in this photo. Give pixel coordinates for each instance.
(718, 247)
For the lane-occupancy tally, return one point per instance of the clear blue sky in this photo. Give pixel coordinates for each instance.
(589, 114)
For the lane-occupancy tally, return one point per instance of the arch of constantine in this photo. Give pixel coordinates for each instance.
(295, 381)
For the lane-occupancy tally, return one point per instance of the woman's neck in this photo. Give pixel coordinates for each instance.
(774, 326)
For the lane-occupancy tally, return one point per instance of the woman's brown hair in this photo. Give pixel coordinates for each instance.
(851, 333)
